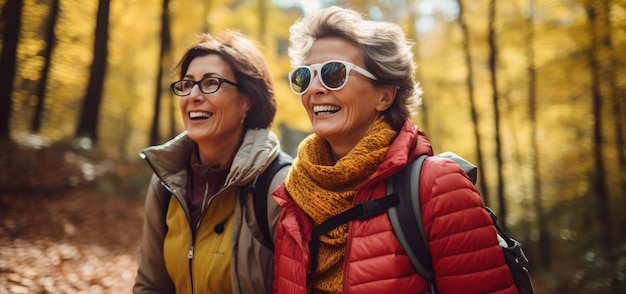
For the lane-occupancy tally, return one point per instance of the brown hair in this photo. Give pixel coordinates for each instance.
(250, 70)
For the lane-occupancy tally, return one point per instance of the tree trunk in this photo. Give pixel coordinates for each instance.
(474, 113)
(11, 20)
(88, 124)
(542, 224)
(165, 47)
(493, 54)
(598, 176)
(617, 96)
(50, 38)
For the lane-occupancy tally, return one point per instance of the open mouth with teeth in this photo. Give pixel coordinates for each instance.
(325, 109)
(199, 115)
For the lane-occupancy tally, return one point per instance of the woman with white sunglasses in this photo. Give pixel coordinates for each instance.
(355, 79)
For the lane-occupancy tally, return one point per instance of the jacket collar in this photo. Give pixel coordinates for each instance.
(410, 143)
(170, 160)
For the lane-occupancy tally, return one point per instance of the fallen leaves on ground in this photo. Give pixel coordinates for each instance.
(72, 240)
(70, 219)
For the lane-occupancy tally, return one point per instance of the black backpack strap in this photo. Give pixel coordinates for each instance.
(259, 190)
(514, 257)
(407, 217)
(362, 210)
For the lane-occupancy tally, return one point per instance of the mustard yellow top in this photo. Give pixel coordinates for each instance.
(194, 271)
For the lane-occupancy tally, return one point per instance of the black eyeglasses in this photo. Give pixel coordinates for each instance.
(207, 85)
(333, 74)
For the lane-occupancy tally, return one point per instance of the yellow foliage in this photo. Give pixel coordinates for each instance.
(560, 47)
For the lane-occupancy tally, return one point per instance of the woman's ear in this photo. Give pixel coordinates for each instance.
(388, 94)
(246, 107)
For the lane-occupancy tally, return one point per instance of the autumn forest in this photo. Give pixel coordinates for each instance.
(533, 92)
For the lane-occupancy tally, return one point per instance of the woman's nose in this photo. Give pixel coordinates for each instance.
(195, 93)
(316, 84)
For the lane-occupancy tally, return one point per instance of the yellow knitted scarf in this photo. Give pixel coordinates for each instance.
(324, 189)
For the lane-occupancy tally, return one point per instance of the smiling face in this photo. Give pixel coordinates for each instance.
(215, 117)
(343, 116)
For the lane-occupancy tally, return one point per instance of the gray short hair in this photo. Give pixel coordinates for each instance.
(384, 48)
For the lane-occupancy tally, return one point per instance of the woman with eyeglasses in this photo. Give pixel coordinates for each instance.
(355, 79)
(201, 234)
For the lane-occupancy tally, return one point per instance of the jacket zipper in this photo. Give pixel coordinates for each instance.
(344, 284)
(205, 202)
(193, 233)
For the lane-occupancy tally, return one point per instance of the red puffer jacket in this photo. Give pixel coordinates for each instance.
(463, 244)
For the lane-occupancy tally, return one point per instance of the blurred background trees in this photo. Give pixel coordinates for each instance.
(532, 91)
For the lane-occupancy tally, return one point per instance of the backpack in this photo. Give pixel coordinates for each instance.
(408, 217)
(405, 218)
(260, 197)
(258, 188)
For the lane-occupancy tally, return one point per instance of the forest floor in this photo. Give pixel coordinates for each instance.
(68, 241)
(69, 223)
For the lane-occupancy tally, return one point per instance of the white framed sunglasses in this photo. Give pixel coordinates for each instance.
(333, 74)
